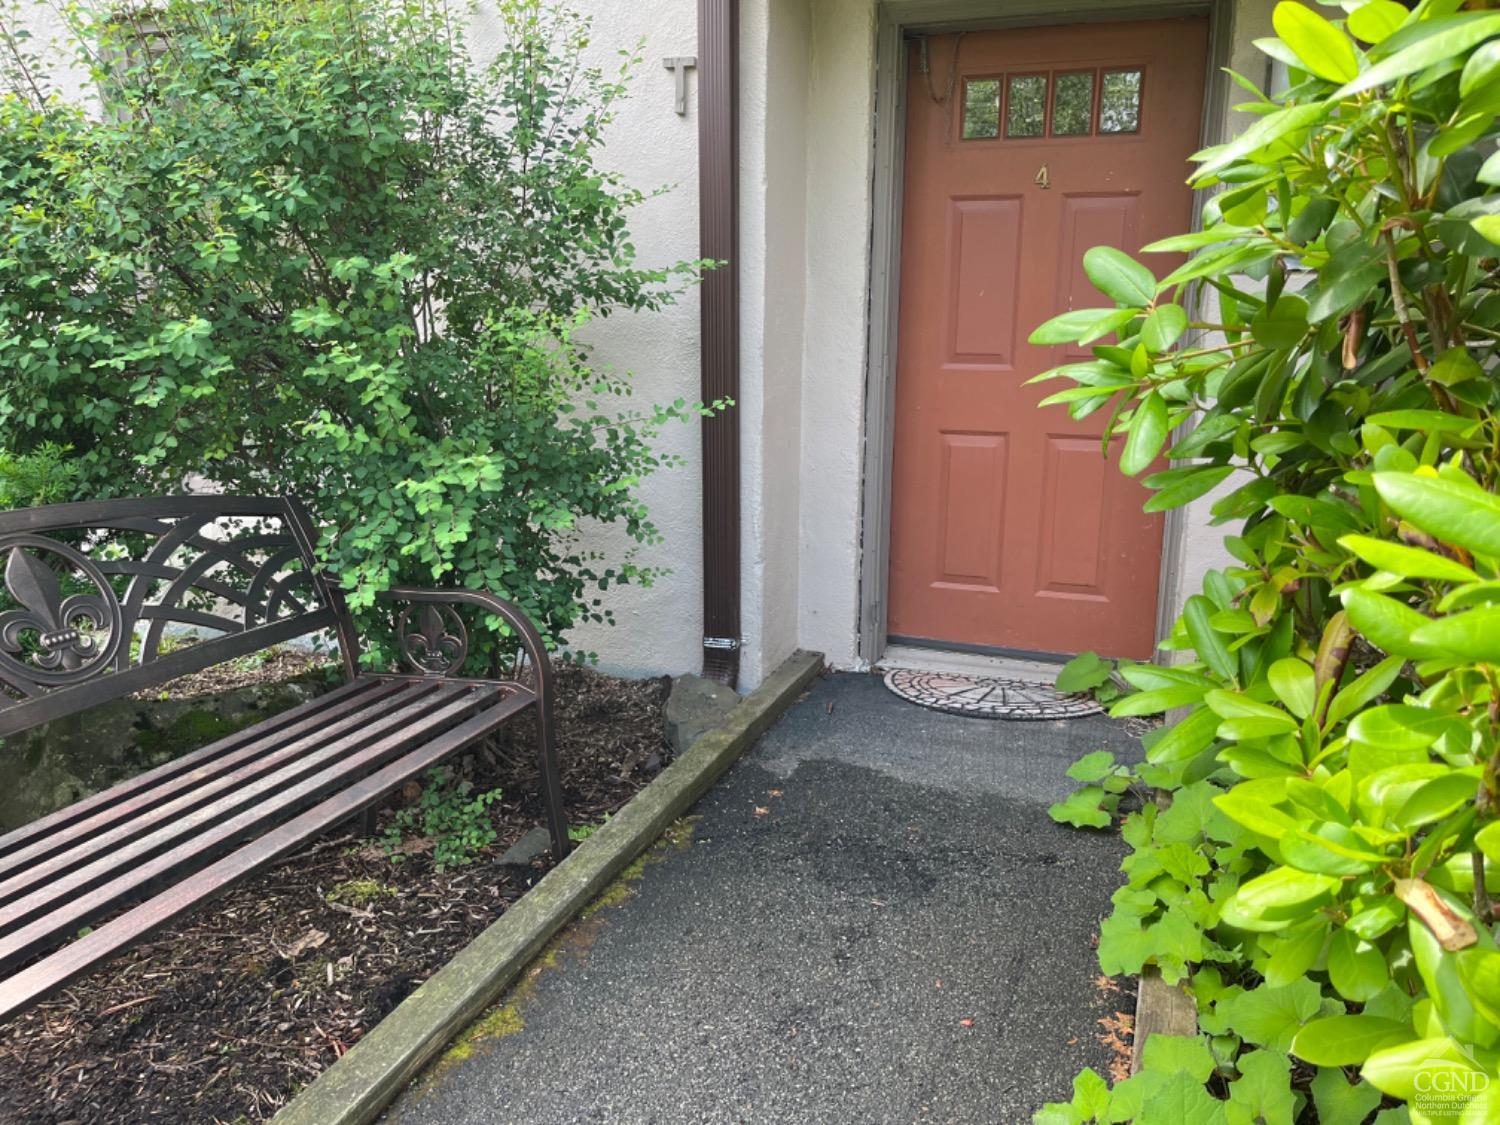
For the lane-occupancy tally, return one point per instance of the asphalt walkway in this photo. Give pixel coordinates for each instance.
(872, 920)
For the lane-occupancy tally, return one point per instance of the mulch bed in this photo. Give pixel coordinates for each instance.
(223, 1017)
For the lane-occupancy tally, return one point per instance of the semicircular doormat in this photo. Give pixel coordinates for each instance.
(988, 697)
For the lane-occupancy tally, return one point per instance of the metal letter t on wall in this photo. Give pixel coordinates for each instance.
(679, 66)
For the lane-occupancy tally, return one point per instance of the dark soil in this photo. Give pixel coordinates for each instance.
(223, 1017)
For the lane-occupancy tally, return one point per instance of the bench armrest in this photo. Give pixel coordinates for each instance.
(434, 641)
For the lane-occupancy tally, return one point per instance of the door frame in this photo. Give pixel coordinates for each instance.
(896, 20)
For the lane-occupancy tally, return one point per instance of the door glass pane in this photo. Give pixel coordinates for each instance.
(1026, 105)
(1120, 102)
(981, 108)
(1072, 104)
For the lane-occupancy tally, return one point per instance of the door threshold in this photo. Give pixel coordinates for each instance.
(967, 663)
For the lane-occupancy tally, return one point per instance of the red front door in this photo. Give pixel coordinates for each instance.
(1009, 529)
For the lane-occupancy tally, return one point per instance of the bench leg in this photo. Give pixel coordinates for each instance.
(557, 818)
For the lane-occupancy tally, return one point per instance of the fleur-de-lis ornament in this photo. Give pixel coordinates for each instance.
(440, 643)
(60, 645)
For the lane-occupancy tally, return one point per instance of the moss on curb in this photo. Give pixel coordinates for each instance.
(508, 1017)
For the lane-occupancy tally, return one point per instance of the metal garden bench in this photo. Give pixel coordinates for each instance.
(92, 593)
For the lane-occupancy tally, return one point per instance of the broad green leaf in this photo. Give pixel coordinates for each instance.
(1479, 973)
(1428, 421)
(1233, 705)
(1489, 171)
(1481, 71)
(1400, 726)
(1057, 1113)
(1082, 809)
(1394, 1070)
(1085, 671)
(1338, 1101)
(1185, 739)
(1172, 1097)
(1271, 1017)
(1118, 276)
(1164, 326)
(1439, 967)
(1253, 804)
(1186, 1053)
(1293, 951)
(1409, 562)
(1082, 326)
(1181, 243)
(1283, 325)
(1364, 689)
(1451, 41)
(1462, 514)
(1453, 367)
(1148, 433)
(1435, 799)
(1356, 968)
(1295, 685)
(1186, 489)
(1384, 791)
(1386, 623)
(1206, 641)
(1280, 896)
(1487, 839)
(1488, 226)
(1376, 19)
(1340, 290)
(1157, 701)
(1313, 219)
(1092, 767)
(1473, 636)
(1273, 127)
(1347, 1040)
(1323, 48)
(1264, 1088)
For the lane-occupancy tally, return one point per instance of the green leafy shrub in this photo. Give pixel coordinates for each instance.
(47, 475)
(314, 247)
(452, 814)
(1323, 875)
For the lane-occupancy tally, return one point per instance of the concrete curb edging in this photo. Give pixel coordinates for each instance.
(359, 1086)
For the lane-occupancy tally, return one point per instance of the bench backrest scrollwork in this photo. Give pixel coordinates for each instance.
(90, 594)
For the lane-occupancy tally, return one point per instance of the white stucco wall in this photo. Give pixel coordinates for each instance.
(776, 54)
(659, 628)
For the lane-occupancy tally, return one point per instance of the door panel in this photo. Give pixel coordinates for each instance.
(1008, 526)
(985, 235)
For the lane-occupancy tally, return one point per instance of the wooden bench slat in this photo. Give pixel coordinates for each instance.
(243, 773)
(429, 730)
(39, 980)
(55, 821)
(407, 708)
(160, 785)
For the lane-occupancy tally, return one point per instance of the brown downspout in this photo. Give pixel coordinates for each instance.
(718, 236)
